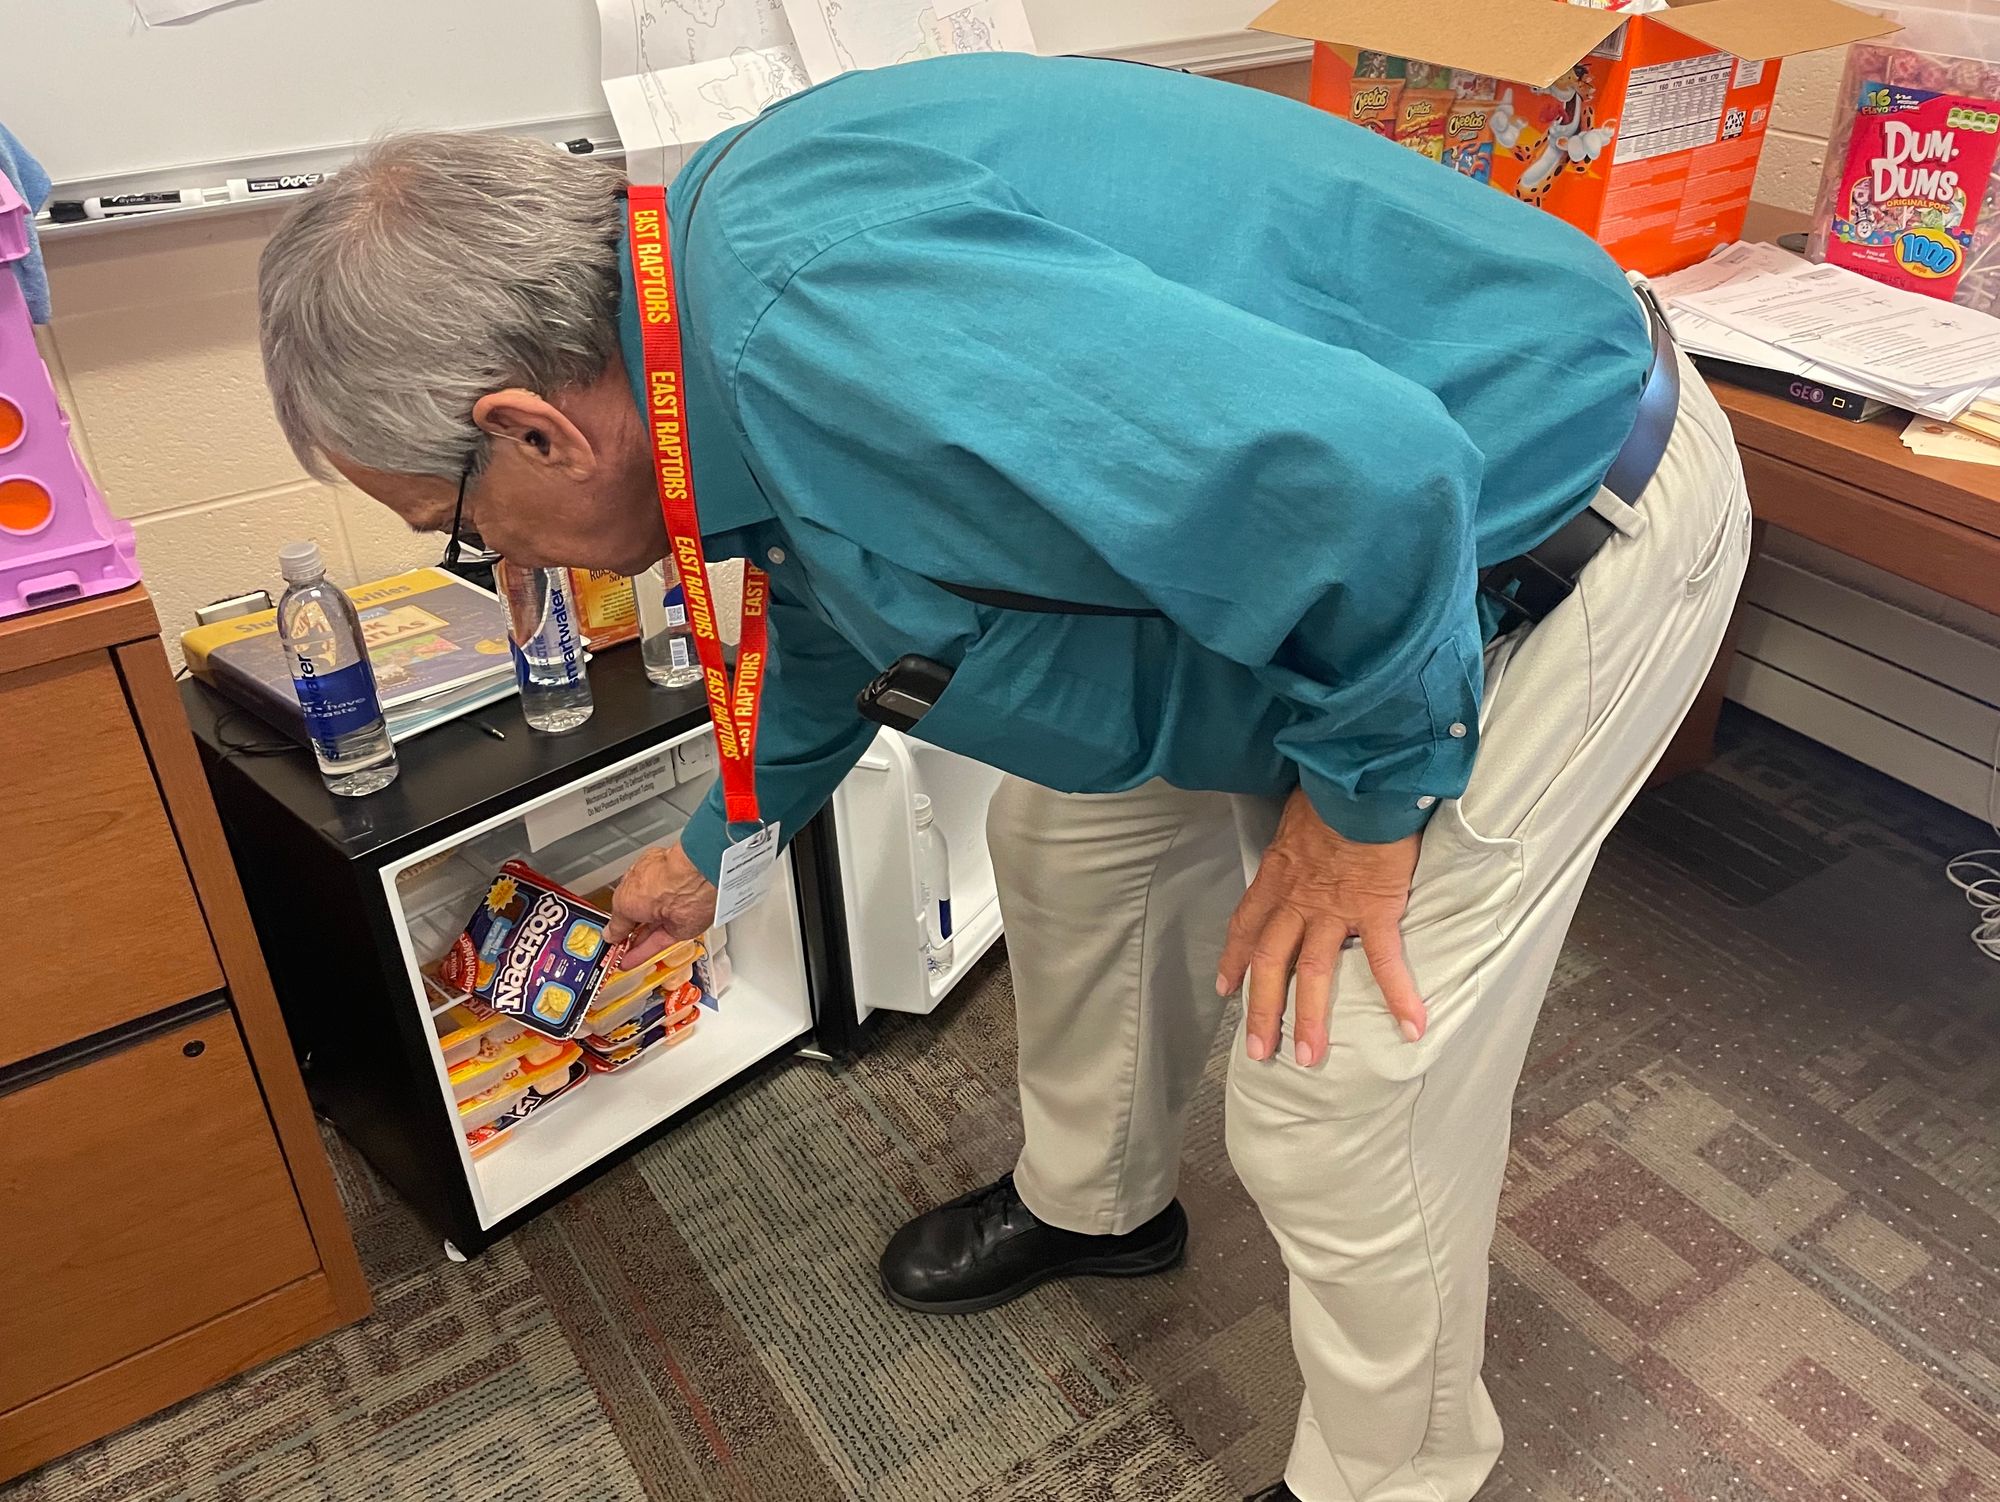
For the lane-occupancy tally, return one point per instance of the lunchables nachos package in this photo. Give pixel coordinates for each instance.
(533, 951)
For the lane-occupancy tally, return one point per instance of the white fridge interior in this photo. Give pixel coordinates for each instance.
(584, 836)
(875, 821)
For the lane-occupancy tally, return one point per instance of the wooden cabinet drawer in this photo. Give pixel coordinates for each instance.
(102, 922)
(142, 1192)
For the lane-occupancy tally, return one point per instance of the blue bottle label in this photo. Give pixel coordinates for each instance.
(676, 605)
(558, 646)
(944, 917)
(336, 704)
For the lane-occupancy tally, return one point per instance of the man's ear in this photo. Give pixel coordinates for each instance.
(539, 426)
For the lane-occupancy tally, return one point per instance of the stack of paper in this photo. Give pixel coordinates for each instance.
(676, 74)
(1983, 416)
(1759, 305)
(1931, 439)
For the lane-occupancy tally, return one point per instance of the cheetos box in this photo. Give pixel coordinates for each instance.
(1641, 123)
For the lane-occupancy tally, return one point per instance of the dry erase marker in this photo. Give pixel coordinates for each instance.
(250, 189)
(124, 205)
(160, 201)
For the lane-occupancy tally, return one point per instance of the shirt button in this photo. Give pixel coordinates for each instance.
(776, 555)
(1458, 730)
(1426, 801)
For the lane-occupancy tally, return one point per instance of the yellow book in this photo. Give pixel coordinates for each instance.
(437, 643)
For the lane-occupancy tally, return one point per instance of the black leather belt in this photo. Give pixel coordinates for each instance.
(1532, 585)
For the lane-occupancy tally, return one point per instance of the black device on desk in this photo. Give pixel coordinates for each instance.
(1848, 405)
(352, 895)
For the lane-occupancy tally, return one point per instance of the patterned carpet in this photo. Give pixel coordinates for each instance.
(1746, 1255)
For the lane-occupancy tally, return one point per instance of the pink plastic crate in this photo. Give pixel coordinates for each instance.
(58, 541)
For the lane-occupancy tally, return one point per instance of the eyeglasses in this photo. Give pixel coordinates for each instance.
(455, 540)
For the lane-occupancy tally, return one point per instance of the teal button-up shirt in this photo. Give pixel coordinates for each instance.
(1106, 333)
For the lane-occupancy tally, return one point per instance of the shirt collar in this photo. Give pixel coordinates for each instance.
(727, 497)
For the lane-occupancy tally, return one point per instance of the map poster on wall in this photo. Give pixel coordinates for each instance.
(677, 72)
(835, 36)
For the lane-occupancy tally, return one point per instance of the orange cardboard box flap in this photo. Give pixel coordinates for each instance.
(1536, 41)
(1528, 40)
(1761, 29)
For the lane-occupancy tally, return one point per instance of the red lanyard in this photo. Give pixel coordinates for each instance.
(733, 708)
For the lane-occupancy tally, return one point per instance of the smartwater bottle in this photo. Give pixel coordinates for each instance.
(335, 681)
(934, 871)
(547, 646)
(666, 640)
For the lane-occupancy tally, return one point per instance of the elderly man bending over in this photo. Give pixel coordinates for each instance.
(1274, 502)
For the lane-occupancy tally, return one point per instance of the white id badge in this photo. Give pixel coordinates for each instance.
(747, 868)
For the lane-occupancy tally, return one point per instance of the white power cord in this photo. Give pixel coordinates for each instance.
(1977, 872)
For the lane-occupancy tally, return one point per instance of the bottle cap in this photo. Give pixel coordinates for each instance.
(300, 562)
(922, 805)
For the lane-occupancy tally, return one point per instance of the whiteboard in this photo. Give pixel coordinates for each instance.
(95, 93)
(106, 101)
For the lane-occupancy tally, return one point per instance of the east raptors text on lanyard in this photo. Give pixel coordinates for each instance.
(733, 707)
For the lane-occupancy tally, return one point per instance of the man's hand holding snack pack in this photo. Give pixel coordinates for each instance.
(662, 900)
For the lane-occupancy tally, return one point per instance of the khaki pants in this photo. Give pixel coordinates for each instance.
(1379, 1170)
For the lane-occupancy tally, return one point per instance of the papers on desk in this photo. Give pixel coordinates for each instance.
(1759, 305)
(1931, 439)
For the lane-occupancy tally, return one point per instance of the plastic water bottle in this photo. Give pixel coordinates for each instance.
(666, 640)
(335, 680)
(934, 872)
(547, 646)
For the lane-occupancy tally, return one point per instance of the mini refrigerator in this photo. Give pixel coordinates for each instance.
(352, 897)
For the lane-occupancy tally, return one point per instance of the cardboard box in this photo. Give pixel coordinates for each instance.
(1641, 130)
(606, 606)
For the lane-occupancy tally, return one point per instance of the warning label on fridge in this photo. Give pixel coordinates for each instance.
(1673, 106)
(584, 807)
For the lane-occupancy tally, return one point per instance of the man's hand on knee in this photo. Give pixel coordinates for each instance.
(1314, 891)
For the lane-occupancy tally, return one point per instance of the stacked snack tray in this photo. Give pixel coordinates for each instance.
(492, 1061)
(1910, 193)
(542, 1066)
(465, 1028)
(667, 1023)
(551, 1084)
(629, 993)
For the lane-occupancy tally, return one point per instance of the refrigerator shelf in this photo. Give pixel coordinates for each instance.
(766, 1009)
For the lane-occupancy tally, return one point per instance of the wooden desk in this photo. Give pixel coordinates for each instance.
(1854, 488)
(167, 1218)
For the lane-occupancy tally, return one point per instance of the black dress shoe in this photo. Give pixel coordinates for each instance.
(1278, 1493)
(986, 1248)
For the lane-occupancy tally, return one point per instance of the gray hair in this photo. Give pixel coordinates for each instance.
(435, 269)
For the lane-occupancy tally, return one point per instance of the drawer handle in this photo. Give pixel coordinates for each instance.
(195, 1049)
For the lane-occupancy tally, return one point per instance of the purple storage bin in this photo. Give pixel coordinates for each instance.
(58, 540)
